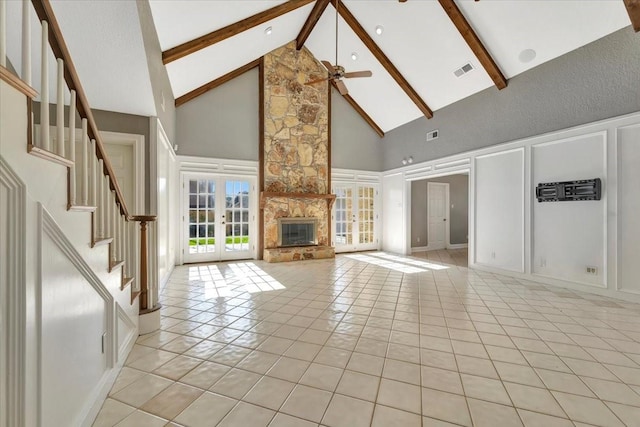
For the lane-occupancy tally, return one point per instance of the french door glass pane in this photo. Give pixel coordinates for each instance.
(365, 214)
(236, 216)
(344, 222)
(202, 216)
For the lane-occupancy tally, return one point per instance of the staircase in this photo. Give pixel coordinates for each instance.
(53, 320)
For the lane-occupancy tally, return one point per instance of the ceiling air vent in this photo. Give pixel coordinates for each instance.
(463, 70)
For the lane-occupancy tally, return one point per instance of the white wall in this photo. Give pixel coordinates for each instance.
(67, 297)
(553, 242)
(394, 204)
(569, 236)
(499, 198)
(166, 204)
(628, 231)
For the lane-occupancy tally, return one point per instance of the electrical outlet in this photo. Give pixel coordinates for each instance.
(543, 262)
(418, 239)
(592, 270)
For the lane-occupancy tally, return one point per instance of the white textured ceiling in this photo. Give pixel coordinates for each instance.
(108, 52)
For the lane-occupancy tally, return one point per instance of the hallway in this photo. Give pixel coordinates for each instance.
(378, 339)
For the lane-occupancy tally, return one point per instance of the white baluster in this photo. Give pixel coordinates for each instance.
(3, 33)
(60, 109)
(72, 148)
(100, 200)
(114, 215)
(26, 41)
(85, 164)
(121, 245)
(44, 89)
(93, 175)
(127, 246)
(107, 208)
(119, 233)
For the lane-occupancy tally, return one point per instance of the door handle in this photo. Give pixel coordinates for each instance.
(445, 219)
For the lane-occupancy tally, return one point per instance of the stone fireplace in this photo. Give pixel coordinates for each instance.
(295, 161)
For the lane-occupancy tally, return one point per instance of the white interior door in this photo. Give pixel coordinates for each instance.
(437, 203)
(355, 217)
(218, 218)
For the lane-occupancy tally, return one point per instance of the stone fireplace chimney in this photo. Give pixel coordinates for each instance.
(296, 151)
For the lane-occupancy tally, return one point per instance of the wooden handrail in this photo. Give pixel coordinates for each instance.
(58, 46)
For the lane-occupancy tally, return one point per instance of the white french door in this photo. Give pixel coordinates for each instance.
(355, 217)
(218, 218)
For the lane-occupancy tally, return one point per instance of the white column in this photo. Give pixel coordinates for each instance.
(3, 33)
(72, 148)
(60, 109)
(26, 41)
(85, 164)
(44, 89)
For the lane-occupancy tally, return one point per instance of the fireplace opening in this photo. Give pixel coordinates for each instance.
(297, 232)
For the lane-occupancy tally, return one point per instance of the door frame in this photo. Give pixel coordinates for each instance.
(227, 167)
(137, 142)
(447, 216)
(253, 212)
(376, 211)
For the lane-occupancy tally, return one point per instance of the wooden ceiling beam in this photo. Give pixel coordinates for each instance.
(382, 58)
(312, 20)
(214, 37)
(474, 42)
(217, 82)
(633, 9)
(360, 111)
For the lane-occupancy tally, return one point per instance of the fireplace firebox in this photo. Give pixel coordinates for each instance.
(297, 232)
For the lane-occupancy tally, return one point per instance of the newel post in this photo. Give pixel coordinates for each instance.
(149, 311)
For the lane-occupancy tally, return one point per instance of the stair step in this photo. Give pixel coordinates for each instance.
(115, 264)
(48, 155)
(81, 208)
(134, 295)
(101, 242)
(126, 281)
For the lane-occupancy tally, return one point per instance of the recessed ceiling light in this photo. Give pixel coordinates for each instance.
(354, 56)
(527, 55)
(268, 31)
(379, 30)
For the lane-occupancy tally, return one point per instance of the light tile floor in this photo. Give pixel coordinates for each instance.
(373, 339)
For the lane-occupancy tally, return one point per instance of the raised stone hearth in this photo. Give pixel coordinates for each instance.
(299, 253)
(296, 158)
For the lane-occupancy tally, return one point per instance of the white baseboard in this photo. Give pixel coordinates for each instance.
(458, 246)
(420, 249)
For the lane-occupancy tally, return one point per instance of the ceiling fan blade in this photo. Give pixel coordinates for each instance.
(317, 81)
(353, 74)
(329, 67)
(342, 88)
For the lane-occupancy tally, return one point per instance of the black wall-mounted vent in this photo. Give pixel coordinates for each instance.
(586, 189)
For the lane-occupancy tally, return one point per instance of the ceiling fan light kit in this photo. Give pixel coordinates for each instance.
(337, 72)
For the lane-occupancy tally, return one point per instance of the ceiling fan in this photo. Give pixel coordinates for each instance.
(337, 72)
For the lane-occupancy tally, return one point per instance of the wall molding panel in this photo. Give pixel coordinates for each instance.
(12, 390)
(129, 336)
(50, 230)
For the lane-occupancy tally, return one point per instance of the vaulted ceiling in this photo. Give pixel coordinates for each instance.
(413, 61)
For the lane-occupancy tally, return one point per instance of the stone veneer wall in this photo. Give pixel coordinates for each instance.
(296, 140)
